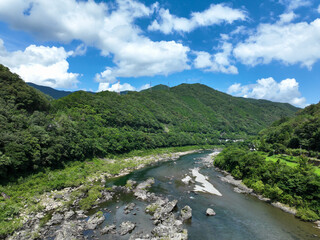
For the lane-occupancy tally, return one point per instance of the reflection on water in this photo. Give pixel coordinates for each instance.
(238, 216)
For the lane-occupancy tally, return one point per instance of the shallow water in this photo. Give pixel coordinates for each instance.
(238, 216)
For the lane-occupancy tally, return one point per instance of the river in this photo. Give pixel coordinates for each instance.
(238, 216)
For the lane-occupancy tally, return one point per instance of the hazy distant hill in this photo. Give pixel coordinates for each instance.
(56, 94)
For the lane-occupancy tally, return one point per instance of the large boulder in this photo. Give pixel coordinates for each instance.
(210, 212)
(129, 207)
(170, 228)
(70, 230)
(163, 211)
(186, 213)
(126, 227)
(108, 229)
(95, 220)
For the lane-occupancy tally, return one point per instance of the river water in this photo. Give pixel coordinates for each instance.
(238, 216)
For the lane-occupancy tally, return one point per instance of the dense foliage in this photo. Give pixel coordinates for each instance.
(302, 131)
(36, 133)
(296, 186)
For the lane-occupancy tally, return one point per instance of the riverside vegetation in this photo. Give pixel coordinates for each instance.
(48, 144)
(283, 168)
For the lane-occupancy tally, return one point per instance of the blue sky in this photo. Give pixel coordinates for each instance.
(258, 49)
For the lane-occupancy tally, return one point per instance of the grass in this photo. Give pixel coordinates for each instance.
(26, 192)
(291, 161)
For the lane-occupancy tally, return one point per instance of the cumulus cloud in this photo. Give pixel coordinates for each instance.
(218, 62)
(267, 88)
(117, 87)
(41, 65)
(147, 58)
(106, 26)
(215, 14)
(292, 43)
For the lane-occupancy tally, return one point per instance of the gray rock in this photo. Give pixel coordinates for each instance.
(57, 196)
(95, 220)
(126, 227)
(105, 196)
(81, 214)
(129, 207)
(108, 229)
(146, 184)
(56, 218)
(69, 214)
(163, 211)
(70, 231)
(5, 196)
(210, 212)
(130, 184)
(170, 228)
(186, 213)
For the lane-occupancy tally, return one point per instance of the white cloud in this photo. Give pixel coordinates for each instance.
(80, 50)
(147, 58)
(267, 88)
(287, 17)
(106, 26)
(215, 14)
(318, 9)
(218, 62)
(294, 4)
(117, 87)
(41, 65)
(144, 87)
(293, 43)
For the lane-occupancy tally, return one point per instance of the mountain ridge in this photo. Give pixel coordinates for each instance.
(36, 133)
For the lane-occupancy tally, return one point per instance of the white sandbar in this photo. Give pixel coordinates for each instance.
(206, 186)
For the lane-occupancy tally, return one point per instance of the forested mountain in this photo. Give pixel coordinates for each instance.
(56, 94)
(37, 133)
(302, 131)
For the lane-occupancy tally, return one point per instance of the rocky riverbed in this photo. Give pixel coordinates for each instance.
(61, 219)
(159, 202)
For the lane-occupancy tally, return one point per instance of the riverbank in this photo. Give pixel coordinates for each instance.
(268, 182)
(36, 198)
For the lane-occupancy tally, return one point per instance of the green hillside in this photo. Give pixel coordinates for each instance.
(301, 132)
(36, 133)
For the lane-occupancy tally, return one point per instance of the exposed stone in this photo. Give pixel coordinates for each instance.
(56, 218)
(126, 227)
(129, 207)
(284, 208)
(186, 213)
(317, 224)
(57, 196)
(210, 212)
(170, 228)
(163, 211)
(130, 184)
(186, 180)
(5, 196)
(70, 231)
(109, 229)
(69, 214)
(80, 214)
(146, 184)
(95, 220)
